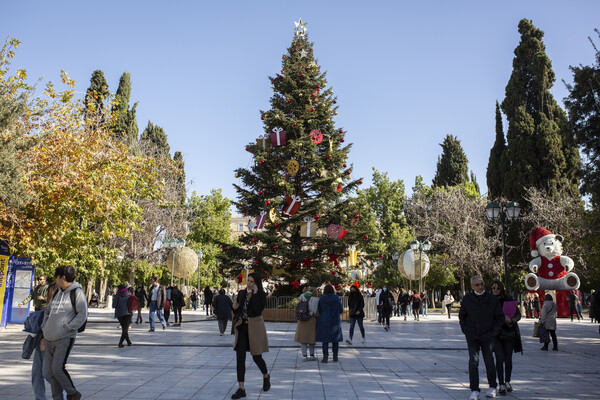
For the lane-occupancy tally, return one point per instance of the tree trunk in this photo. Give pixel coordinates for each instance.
(89, 288)
(462, 283)
(103, 284)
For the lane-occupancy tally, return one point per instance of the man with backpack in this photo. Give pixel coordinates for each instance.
(65, 315)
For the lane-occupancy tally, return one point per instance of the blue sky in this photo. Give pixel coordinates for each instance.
(406, 74)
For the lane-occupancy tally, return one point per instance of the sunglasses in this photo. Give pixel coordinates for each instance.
(478, 284)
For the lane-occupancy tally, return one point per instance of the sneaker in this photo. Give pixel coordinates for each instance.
(509, 387)
(491, 392)
(312, 358)
(324, 360)
(363, 341)
(74, 396)
(335, 358)
(150, 330)
(304, 358)
(474, 395)
(544, 348)
(164, 327)
(239, 394)
(349, 342)
(502, 390)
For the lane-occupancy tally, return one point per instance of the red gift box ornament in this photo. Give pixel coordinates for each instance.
(278, 137)
(335, 231)
(292, 204)
(316, 136)
(260, 220)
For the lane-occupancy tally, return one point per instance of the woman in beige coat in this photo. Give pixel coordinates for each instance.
(250, 331)
(306, 331)
(548, 320)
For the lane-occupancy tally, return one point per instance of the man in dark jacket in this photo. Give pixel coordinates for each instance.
(222, 306)
(178, 302)
(481, 319)
(386, 303)
(157, 295)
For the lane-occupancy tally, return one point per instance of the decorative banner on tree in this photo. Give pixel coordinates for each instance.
(273, 215)
(316, 136)
(292, 204)
(264, 143)
(278, 137)
(335, 231)
(308, 228)
(352, 256)
(260, 220)
(293, 167)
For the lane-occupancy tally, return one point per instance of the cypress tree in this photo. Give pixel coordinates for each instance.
(180, 185)
(452, 166)
(154, 141)
(125, 125)
(96, 93)
(540, 150)
(497, 164)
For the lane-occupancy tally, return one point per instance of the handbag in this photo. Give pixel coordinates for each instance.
(536, 328)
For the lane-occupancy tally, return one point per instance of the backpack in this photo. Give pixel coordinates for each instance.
(302, 313)
(133, 303)
(73, 295)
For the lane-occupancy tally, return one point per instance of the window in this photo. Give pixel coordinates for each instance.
(240, 227)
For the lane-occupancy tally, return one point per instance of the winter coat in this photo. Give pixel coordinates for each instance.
(194, 296)
(223, 306)
(511, 332)
(356, 302)
(161, 297)
(257, 333)
(416, 301)
(306, 331)
(38, 290)
(404, 298)
(480, 317)
(548, 317)
(595, 305)
(386, 300)
(60, 319)
(329, 323)
(208, 297)
(121, 303)
(425, 299)
(177, 298)
(140, 293)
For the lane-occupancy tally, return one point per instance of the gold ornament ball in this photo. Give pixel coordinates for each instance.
(186, 262)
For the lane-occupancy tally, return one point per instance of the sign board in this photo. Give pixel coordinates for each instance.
(19, 285)
(4, 265)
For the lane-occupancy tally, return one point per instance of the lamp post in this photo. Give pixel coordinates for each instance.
(173, 243)
(504, 215)
(199, 254)
(422, 248)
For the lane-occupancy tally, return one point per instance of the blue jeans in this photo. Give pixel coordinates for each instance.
(488, 358)
(194, 305)
(334, 347)
(424, 309)
(154, 309)
(39, 372)
(353, 321)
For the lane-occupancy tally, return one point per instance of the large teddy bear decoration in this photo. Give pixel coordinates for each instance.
(550, 270)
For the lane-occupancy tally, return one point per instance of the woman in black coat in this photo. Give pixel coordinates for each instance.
(178, 302)
(222, 306)
(121, 305)
(208, 299)
(507, 341)
(140, 293)
(356, 312)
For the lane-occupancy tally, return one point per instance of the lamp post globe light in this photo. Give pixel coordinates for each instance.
(173, 243)
(424, 247)
(503, 215)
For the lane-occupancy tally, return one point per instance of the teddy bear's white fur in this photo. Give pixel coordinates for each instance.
(551, 270)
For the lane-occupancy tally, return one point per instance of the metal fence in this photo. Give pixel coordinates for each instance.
(283, 308)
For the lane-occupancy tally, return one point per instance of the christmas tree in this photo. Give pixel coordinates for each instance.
(297, 193)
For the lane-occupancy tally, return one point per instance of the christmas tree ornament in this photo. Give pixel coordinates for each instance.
(316, 136)
(334, 231)
(337, 286)
(256, 262)
(240, 278)
(251, 225)
(316, 217)
(381, 256)
(365, 238)
(260, 220)
(293, 124)
(328, 156)
(301, 75)
(341, 140)
(247, 148)
(260, 192)
(264, 143)
(262, 118)
(360, 182)
(296, 285)
(293, 167)
(261, 162)
(344, 233)
(268, 203)
(220, 272)
(312, 109)
(356, 216)
(339, 188)
(287, 100)
(274, 216)
(278, 137)
(369, 284)
(333, 258)
(352, 256)
(292, 204)
(276, 247)
(303, 53)
(308, 227)
(307, 262)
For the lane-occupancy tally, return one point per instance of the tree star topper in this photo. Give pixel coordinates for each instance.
(300, 27)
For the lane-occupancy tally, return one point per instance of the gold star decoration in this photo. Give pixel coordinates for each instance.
(300, 27)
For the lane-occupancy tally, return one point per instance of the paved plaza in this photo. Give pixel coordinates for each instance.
(415, 360)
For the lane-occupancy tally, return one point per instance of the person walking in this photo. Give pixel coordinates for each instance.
(396, 295)
(208, 299)
(424, 303)
(158, 298)
(250, 331)
(140, 293)
(572, 298)
(194, 299)
(447, 302)
(379, 313)
(416, 305)
(481, 320)
(536, 305)
(329, 323)
(306, 331)
(178, 302)
(404, 300)
(121, 306)
(64, 316)
(222, 307)
(38, 295)
(528, 305)
(356, 312)
(508, 340)
(595, 306)
(548, 321)
(386, 301)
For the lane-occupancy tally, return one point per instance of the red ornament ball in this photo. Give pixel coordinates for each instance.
(276, 247)
(262, 118)
(322, 211)
(365, 238)
(256, 261)
(287, 101)
(342, 140)
(301, 75)
(341, 131)
(282, 72)
(245, 214)
(261, 162)
(276, 223)
(344, 165)
(268, 202)
(312, 109)
(356, 216)
(293, 124)
(360, 182)
(369, 284)
(328, 155)
(316, 217)
(347, 172)
(335, 102)
(246, 148)
(260, 192)
(332, 272)
(220, 271)
(318, 86)
(294, 49)
(381, 256)
(255, 251)
(254, 240)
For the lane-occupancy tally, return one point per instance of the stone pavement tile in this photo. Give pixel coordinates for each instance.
(308, 395)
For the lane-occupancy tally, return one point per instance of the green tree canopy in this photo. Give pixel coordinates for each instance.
(498, 163)
(452, 166)
(124, 124)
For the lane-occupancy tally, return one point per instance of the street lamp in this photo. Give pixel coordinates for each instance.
(422, 248)
(504, 215)
(173, 243)
(199, 254)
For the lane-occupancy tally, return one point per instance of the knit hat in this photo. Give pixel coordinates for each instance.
(537, 236)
